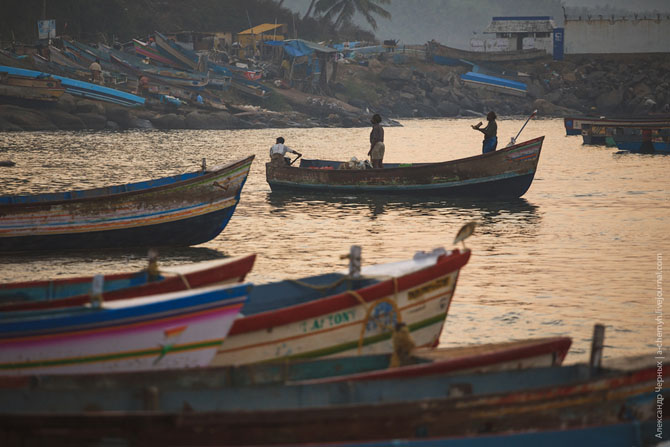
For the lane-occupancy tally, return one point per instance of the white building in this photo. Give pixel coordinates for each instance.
(517, 33)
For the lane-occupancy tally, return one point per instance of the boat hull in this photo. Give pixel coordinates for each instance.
(506, 173)
(177, 330)
(177, 213)
(466, 407)
(349, 323)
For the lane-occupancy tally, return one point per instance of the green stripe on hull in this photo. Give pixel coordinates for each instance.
(160, 351)
(336, 349)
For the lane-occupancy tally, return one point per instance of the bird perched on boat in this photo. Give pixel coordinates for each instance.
(464, 233)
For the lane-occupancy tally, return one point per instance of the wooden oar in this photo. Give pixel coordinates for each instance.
(295, 159)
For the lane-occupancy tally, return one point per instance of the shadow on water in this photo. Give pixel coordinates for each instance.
(170, 255)
(379, 205)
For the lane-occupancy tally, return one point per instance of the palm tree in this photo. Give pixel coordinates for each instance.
(345, 10)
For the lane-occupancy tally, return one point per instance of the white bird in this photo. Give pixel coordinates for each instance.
(464, 233)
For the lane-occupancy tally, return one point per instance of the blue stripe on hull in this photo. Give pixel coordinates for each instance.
(184, 232)
(498, 188)
(620, 435)
(573, 131)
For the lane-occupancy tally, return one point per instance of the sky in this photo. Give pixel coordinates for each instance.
(418, 21)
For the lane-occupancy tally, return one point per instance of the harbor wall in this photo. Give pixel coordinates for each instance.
(617, 35)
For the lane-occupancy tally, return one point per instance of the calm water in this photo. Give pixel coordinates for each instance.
(582, 246)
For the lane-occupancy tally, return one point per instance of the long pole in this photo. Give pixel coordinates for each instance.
(524, 125)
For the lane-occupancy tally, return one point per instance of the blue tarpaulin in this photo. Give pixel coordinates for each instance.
(299, 47)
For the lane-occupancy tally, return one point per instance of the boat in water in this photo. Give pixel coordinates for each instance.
(503, 174)
(180, 210)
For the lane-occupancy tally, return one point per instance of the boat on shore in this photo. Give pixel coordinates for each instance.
(30, 88)
(69, 292)
(505, 173)
(469, 407)
(81, 88)
(494, 83)
(340, 314)
(180, 210)
(174, 330)
(443, 54)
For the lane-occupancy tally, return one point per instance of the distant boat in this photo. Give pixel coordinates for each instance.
(575, 124)
(183, 209)
(453, 56)
(656, 140)
(30, 88)
(69, 292)
(505, 173)
(494, 83)
(148, 51)
(174, 330)
(81, 88)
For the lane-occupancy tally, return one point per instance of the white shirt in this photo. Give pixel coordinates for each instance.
(282, 149)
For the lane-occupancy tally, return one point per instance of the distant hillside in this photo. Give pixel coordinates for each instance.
(93, 20)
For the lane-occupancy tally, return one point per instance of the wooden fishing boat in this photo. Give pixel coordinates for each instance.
(505, 173)
(379, 412)
(342, 314)
(68, 292)
(185, 57)
(574, 125)
(24, 396)
(494, 83)
(657, 140)
(175, 330)
(81, 88)
(146, 50)
(180, 210)
(454, 56)
(30, 88)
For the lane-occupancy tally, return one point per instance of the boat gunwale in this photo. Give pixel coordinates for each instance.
(176, 184)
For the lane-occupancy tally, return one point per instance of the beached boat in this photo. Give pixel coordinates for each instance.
(182, 55)
(146, 50)
(574, 125)
(67, 292)
(494, 83)
(345, 314)
(180, 210)
(81, 88)
(202, 412)
(505, 173)
(443, 54)
(30, 88)
(175, 330)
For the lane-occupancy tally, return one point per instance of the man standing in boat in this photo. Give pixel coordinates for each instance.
(278, 151)
(490, 133)
(376, 152)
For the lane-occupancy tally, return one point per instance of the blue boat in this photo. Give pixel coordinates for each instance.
(180, 210)
(206, 409)
(81, 88)
(494, 83)
(643, 140)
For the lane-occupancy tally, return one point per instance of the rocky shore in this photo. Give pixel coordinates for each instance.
(394, 87)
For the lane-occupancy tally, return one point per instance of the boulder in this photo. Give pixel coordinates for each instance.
(93, 120)
(546, 108)
(26, 119)
(123, 116)
(90, 106)
(610, 100)
(64, 120)
(448, 108)
(6, 126)
(169, 121)
(66, 102)
(395, 73)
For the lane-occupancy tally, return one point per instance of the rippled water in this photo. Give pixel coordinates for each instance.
(580, 248)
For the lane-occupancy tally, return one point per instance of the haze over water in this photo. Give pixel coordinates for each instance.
(581, 247)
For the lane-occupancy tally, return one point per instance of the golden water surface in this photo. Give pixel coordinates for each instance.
(583, 246)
